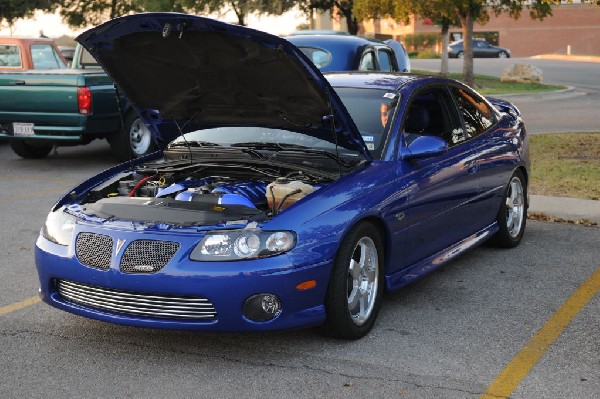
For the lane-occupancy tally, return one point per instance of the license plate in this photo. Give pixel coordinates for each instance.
(23, 129)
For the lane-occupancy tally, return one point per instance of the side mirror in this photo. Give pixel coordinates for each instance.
(424, 147)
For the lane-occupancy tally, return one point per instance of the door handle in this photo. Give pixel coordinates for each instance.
(19, 83)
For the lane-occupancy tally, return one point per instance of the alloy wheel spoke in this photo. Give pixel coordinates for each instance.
(354, 299)
(354, 269)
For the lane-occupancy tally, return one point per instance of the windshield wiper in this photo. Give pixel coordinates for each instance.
(292, 147)
(262, 145)
(194, 143)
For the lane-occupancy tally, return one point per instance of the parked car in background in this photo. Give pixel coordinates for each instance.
(286, 199)
(43, 108)
(481, 49)
(331, 53)
(18, 54)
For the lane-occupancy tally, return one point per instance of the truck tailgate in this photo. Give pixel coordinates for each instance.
(49, 99)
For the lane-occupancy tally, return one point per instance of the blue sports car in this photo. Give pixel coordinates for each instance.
(283, 199)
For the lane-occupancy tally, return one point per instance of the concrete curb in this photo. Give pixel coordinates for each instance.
(569, 92)
(565, 57)
(572, 209)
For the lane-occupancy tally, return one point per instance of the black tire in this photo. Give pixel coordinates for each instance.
(512, 215)
(27, 150)
(132, 142)
(502, 54)
(460, 55)
(344, 320)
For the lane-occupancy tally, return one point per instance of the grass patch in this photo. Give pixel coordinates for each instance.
(565, 165)
(492, 85)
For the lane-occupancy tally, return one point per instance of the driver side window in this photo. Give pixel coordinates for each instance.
(429, 114)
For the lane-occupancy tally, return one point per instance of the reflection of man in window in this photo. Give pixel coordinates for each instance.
(385, 113)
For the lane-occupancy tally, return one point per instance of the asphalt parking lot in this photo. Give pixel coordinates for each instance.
(493, 320)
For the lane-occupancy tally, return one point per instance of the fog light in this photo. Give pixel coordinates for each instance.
(262, 307)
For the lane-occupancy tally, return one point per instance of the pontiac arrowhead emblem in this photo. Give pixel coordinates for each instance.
(120, 244)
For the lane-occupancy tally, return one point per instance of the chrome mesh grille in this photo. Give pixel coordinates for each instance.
(147, 256)
(137, 303)
(94, 250)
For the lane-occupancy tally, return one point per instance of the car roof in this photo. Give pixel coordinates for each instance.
(25, 40)
(373, 80)
(332, 40)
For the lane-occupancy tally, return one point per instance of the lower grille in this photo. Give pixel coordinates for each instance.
(94, 250)
(137, 303)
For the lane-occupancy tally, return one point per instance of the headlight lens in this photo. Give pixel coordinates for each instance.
(242, 244)
(59, 227)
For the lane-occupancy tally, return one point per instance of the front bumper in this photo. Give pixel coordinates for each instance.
(226, 285)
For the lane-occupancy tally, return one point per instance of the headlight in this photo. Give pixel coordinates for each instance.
(59, 227)
(242, 244)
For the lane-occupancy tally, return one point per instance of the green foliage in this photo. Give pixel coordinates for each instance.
(421, 41)
(93, 12)
(343, 8)
(11, 10)
(79, 13)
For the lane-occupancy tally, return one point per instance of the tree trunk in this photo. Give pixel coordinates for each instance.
(113, 9)
(466, 20)
(240, 12)
(445, 42)
(351, 22)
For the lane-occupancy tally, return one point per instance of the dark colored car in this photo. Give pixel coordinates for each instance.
(284, 200)
(334, 53)
(481, 49)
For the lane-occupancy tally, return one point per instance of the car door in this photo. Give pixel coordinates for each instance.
(495, 146)
(442, 189)
(479, 49)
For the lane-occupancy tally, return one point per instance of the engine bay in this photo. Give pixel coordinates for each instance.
(183, 193)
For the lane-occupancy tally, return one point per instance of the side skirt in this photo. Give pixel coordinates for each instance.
(426, 266)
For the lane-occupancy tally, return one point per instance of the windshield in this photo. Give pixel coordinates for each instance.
(252, 136)
(372, 111)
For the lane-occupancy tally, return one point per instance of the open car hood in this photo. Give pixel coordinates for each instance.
(204, 73)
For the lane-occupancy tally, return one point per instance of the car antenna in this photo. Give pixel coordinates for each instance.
(332, 124)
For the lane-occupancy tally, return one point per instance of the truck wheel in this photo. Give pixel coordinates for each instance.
(30, 151)
(134, 141)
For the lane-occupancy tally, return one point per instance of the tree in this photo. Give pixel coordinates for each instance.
(344, 8)
(468, 11)
(79, 13)
(440, 12)
(241, 8)
(11, 10)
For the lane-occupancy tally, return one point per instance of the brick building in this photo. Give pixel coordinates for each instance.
(572, 26)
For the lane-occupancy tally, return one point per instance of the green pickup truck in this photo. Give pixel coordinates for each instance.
(43, 108)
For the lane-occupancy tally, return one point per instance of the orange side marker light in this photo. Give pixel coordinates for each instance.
(307, 285)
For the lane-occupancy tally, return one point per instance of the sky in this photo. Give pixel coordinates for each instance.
(52, 25)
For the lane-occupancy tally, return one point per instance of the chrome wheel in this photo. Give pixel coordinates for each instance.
(515, 207)
(502, 54)
(140, 138)
(356, 284)
(363, 280)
